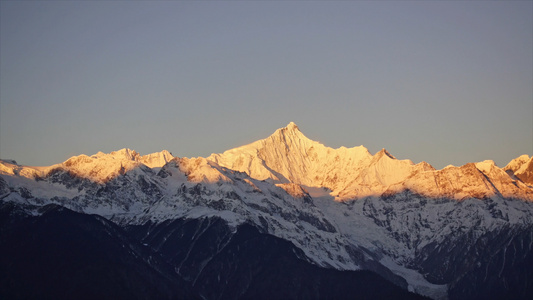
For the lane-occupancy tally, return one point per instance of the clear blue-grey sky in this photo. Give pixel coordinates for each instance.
(447, 82)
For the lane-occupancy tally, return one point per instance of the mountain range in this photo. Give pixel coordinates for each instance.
(284, 217)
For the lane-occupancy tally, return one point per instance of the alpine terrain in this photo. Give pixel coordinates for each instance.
(281, 218)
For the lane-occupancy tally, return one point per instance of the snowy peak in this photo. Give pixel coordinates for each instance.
(480, 180)
(525, 173)
(100, 167)
(292, 127)
(485, 166)
(288, 156)
(289, 137)
(517, 163)
(124, 154)
(290, 130)
(10, 167)
(521, 168)
(103, 167)
(404, 217)
(383, 153)
(196, 170)
(156, 160)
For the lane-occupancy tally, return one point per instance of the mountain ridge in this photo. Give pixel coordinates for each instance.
(345, 208)
(288, 156)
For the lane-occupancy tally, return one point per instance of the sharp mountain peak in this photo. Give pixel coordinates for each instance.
(292, 126)
(406, 215)
(288, 156)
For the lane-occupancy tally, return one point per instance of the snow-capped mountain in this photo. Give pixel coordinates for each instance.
(521, 168)
(341, 209)
(289, 156)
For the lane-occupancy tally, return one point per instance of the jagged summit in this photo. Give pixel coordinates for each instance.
(124, 153)
(521, 168)
(288, 156)
(289, 135)
(99, 167)
(292, 126)
(384, 152)
(390, 215)
(156, 160)
(102, 166)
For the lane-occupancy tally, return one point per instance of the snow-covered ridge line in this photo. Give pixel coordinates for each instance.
(353, 173)
(288, 156)
(100, 167)
(388, 213)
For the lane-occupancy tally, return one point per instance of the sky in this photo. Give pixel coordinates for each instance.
(446, 82)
